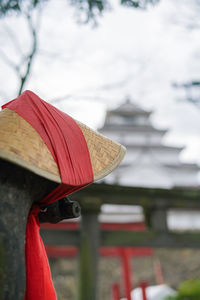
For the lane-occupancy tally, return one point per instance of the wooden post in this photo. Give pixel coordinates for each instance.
(159, 217)
(115, 292)
(89, 252)
(19, 188)
(126, 272)
(158, 272)
(143, 286)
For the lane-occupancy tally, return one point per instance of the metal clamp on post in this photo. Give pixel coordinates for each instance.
(60, 210)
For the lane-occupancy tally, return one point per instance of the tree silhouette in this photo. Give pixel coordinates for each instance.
(87, 11)
(91, 8)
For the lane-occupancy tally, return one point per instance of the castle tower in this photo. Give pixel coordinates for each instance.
(148, 161)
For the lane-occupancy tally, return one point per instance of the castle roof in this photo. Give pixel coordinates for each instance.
(132, 128)
(128, 108)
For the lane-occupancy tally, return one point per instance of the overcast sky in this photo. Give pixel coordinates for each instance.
(131, 52)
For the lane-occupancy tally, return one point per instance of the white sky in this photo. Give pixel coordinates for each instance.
(131, 52)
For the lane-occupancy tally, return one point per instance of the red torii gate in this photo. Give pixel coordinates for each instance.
(124, 253)
(89, 238)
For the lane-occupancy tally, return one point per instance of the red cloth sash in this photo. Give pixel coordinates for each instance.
(68, 147)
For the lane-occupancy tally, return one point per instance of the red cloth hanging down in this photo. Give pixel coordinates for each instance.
(68, 147)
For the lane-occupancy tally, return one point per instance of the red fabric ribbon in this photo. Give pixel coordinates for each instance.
(68, 147)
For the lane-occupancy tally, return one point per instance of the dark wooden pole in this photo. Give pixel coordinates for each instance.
(159, 217)
(19, 188)
(88, 253)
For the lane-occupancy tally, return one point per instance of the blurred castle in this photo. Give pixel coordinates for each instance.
(148, 162)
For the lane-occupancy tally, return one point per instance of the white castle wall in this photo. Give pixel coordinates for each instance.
(148, 162)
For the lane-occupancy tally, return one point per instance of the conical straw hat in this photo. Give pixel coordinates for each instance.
(21, 144)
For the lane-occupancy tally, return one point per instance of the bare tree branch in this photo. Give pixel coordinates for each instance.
(30, 57)
(13, 38)
(189, 93)
(8, 61)
(23, 66)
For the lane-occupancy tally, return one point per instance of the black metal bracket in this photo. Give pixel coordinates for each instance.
(59, 210)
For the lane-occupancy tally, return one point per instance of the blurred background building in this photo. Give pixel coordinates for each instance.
(148, 161)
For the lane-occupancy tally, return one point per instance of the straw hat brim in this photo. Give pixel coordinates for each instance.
(22, 145)
(105, 154)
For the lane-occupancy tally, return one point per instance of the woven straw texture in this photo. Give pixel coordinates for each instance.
(21, 144)
(105, 154)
